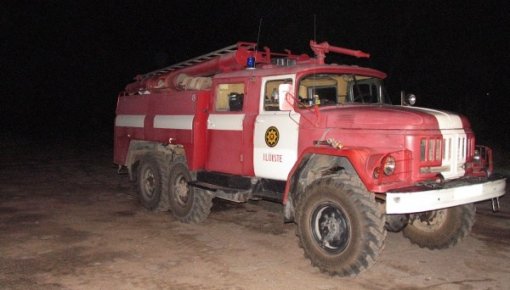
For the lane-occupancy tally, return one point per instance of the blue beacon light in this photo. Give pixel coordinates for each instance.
(250, 62)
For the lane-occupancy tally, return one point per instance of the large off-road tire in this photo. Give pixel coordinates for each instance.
(340, 226)
(440, 229)
(188, 204)
(151, 182)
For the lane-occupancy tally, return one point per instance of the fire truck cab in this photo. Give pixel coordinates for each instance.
(324, 139)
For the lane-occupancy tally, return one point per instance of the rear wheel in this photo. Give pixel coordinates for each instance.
(150, 183)
(188, 204)
(340, 226)
(440, 229)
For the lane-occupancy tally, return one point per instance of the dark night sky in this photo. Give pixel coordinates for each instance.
(63, 62)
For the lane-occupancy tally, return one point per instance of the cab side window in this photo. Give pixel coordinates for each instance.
(229, 97)
(271, 94)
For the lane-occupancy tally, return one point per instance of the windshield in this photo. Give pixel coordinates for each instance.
(331, 89)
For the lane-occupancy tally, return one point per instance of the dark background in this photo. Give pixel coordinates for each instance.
(62, 63)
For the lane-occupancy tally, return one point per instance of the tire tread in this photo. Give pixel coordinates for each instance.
(375, 231)
(201, 204)
(461, 221)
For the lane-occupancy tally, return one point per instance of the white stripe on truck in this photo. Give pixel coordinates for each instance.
(136, 121)
(183, 122)
(230, 122)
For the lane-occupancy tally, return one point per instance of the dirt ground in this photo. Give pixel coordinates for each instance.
(68, 221)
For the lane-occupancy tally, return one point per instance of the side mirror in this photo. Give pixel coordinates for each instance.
(285, 100)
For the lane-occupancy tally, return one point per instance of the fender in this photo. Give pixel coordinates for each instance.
(138, 148)
(352, 159)
(317, 162)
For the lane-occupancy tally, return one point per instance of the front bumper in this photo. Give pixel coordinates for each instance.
(452, 193)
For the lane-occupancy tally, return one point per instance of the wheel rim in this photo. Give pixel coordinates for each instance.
(181, 190)
(330, 228)
(431, 221)
(149, 183)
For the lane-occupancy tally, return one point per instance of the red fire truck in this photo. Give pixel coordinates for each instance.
(324, 139)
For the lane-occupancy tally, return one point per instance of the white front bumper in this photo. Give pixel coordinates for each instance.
(421, 199)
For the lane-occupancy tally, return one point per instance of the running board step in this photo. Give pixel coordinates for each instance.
(212, 187)
(228, 193)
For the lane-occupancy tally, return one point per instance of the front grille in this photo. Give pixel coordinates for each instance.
(445, 155)
(456, 150)
(455, 144)
(430, 149)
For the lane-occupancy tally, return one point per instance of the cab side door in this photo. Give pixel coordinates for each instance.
(276, 132)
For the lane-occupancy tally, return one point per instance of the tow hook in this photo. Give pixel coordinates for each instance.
(495, 204)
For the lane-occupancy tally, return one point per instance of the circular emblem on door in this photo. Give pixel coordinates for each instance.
(272, 136)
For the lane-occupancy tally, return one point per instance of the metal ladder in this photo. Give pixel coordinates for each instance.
(196, 60)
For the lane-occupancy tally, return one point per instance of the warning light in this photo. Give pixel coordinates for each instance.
(250, 62)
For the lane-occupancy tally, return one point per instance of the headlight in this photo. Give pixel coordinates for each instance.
(389, 165)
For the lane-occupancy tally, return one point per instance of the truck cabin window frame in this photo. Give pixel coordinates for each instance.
(332, 89)
(271, 93)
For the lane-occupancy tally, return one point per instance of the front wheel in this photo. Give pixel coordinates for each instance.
(188, 204)
(440, 229)
(340, 226)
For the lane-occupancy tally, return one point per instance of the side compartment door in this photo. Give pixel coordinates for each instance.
(225, 128)
(276, 132)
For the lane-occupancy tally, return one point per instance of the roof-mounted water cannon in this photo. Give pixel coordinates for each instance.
(320, 50)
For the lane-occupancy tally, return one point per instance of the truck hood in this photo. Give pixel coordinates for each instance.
(391, 117)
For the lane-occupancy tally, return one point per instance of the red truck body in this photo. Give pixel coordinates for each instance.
(245, 123)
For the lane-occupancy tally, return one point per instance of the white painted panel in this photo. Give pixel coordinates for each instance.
(136, 121)
(419, 201)
(276, 162)
(231, 122)
(455, 153)
(183, 122)
(451, 128)
(445, 120)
